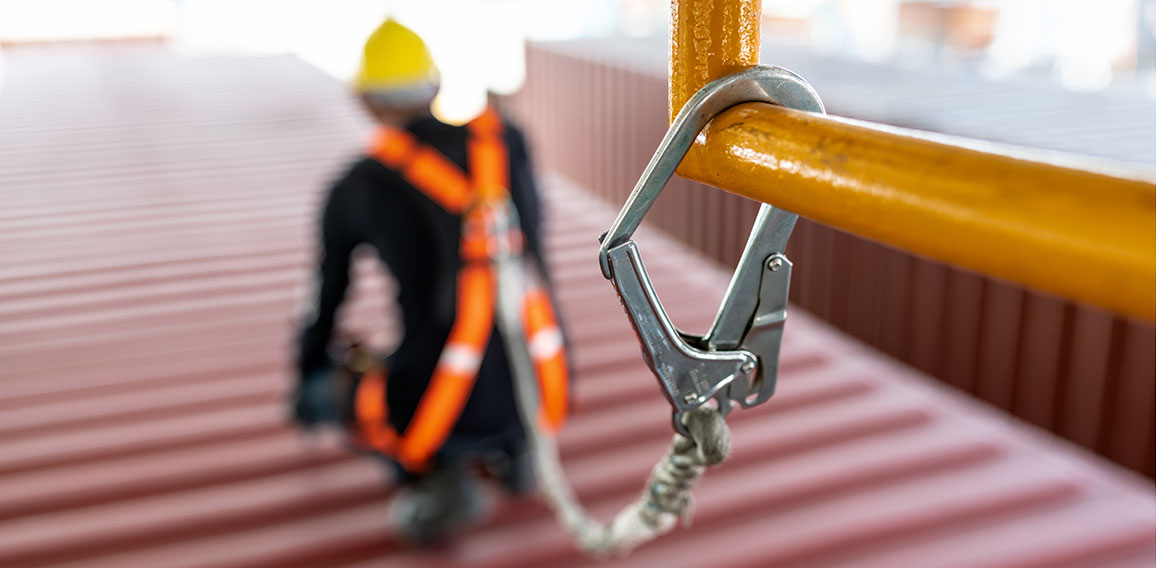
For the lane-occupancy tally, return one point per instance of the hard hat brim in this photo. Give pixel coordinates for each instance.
(393, 96)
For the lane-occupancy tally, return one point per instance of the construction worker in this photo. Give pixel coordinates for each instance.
(426, 197)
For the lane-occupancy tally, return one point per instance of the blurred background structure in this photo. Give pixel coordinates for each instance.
(160, 164)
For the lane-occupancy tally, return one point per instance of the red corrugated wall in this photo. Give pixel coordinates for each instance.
(1072, 369)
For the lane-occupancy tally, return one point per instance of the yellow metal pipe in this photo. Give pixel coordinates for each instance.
(1079, 233)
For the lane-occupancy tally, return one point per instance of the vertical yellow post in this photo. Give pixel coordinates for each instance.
(709, 39)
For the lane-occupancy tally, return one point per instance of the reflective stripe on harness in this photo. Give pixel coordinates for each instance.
(547, 349)
(482, 199)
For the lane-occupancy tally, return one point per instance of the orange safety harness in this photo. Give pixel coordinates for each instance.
(482, 199)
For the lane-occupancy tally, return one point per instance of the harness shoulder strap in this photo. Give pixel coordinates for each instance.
(489, 158)
(423, 167)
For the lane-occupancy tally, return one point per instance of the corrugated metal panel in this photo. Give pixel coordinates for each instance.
(1075, 370)
(155, 229)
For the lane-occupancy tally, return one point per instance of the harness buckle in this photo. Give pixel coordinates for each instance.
(737, 360)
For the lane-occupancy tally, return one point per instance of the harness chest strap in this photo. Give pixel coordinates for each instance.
(457, 367)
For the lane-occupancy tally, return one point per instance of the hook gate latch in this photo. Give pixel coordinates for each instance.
(736, 361)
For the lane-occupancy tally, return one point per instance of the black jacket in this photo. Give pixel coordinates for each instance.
(418, 241)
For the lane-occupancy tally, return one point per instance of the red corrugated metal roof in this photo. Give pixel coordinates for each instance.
(155, 224)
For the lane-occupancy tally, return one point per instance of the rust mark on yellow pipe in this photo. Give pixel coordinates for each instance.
(1076, 233)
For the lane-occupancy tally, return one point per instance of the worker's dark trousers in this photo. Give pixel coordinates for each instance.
(461, 453)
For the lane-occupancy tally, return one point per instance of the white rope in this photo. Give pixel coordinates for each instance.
(666, 498)
(664, 502)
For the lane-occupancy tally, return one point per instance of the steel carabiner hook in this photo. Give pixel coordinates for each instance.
(737, 360)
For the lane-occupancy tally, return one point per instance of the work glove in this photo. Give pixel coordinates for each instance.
(314, 401)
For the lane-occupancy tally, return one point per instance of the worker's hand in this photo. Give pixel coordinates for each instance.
(314, 402)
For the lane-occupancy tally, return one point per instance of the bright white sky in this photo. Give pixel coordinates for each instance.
(478, 43)
(479, 48)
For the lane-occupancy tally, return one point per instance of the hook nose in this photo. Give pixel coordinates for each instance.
(767, 84)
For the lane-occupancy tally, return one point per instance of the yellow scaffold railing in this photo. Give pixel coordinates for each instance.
(1080, 229)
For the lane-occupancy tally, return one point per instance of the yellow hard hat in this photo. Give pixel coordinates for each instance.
(395, 59)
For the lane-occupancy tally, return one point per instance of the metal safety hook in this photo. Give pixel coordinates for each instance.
(737, 360)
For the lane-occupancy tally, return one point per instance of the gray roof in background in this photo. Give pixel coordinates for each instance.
(1118, 124)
